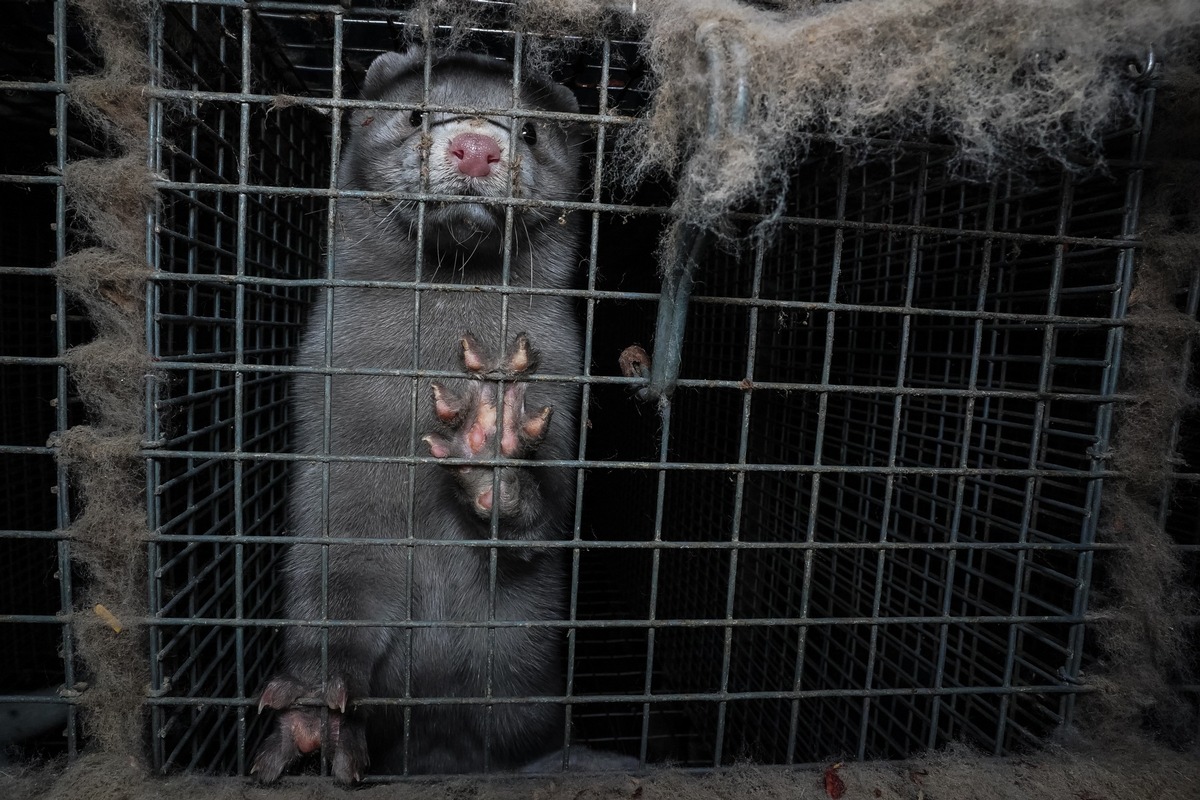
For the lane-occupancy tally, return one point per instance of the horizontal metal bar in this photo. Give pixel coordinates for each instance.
(33, 86)
(1122, 243)
(40, 619)
(664, 697)
(639, 545)
(165, 365)
(52, 536)
(680, 466)
(693, 383)
(395, 197)
(1033, 319)
(1088, 618)
(281, 101)
(37, 272)
(51, 180)
(307, 10)
(39, 699)
(27, 450)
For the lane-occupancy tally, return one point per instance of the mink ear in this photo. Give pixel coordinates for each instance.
(556, 97)
(563, 98)
(385, 68)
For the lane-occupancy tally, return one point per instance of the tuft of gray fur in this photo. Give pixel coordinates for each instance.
(373, 416)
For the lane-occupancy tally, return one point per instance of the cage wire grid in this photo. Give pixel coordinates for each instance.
(864, 526)
(38, 325)
(939, 521)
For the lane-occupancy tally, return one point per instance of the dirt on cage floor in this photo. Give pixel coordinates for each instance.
(1130, 772)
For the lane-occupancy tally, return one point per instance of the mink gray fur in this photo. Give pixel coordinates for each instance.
(391, 416)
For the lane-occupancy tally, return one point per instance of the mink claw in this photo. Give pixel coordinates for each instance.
(522, 357)
(336, 695)
(438, 447)
(535, 425)
(473, 357)
(280, 692)
(447, 405)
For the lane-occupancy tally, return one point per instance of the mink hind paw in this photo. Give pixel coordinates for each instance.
(300, 730)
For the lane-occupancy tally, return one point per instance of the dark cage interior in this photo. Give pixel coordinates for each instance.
(866, 526)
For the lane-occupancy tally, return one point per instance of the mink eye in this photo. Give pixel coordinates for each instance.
(529, 133)
(415, 117)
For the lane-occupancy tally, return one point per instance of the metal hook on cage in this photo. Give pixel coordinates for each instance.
(765, 227)
(690, 241)
(1147, 70)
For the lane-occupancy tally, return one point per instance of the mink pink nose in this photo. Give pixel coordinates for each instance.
(474, 154)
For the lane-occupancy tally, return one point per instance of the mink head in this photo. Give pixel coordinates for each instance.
(481, 147)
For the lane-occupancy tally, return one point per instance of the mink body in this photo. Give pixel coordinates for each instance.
(391, 416)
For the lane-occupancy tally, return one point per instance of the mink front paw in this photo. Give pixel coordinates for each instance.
(300, 730)
(470, 420)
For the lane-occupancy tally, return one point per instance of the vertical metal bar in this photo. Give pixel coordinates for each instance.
(506, 262)
(839, 239)
(963, 462)
(494, 526)
(1041, 413)
(1125, 270)
(327, 399)
(239, 387)
(585, 397)
(656, 558)
(414, 386)
(799, 279)
(740, 486)
(61, 421)
(153, 433)
(917, 214)
(193, 267)
(153, 394)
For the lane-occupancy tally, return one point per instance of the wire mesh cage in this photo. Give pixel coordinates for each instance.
(927, 503)
(216, 341)
(37, 400)
(864, 524)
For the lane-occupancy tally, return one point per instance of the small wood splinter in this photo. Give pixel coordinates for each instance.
(109, 617)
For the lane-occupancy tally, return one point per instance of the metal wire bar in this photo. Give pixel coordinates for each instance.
(968, 428)
(584, 403)
(66, 593)
(714, 623)
(894, 436)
